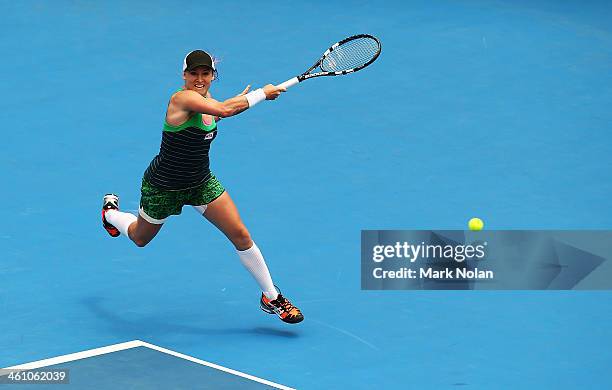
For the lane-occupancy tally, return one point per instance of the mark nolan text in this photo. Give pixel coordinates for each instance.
(457, 273)
(430, 273)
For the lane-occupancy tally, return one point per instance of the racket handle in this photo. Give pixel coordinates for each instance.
(289, 83)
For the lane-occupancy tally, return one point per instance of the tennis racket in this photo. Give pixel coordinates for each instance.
(347, 56)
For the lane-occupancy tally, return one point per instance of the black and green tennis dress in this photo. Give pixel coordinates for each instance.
(180, 174)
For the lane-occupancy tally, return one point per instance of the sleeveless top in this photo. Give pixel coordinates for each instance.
(183, 161)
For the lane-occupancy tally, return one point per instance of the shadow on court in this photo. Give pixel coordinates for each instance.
(159, 326)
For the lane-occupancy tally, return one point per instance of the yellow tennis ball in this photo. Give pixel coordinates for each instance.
(475, 224)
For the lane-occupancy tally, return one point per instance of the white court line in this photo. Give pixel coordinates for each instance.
(133, 344)
(216, 366)
(77, 356)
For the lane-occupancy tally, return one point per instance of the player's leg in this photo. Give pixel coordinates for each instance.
(142, 231)
(138, 229)
(222, 213)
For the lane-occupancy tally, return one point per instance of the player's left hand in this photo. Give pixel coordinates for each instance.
(246, 90)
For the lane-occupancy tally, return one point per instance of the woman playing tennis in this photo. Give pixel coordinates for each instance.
(179, 175)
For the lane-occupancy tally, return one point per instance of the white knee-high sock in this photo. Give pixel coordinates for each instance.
(120, 220)
(253, 261)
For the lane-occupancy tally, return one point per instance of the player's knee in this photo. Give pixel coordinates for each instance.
(140, 242)
(242, 239)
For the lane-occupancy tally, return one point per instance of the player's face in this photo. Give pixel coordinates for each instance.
(198, 79)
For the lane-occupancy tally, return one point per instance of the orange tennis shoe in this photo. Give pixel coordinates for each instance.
(282, 308)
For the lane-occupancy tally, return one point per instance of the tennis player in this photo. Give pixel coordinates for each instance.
(179, 175)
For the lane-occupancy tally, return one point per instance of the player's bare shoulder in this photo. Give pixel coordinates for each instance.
(177, 113)
(180, 98)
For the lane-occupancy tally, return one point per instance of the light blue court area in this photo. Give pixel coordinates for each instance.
(493, 109)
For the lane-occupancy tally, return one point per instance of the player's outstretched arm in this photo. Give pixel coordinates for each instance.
(193, 101)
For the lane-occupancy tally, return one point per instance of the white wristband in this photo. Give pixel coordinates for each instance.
(255, 97)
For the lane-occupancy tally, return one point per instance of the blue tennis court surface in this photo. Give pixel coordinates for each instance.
(496, 109)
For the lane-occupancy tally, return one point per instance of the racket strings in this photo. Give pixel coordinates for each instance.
(350, 55)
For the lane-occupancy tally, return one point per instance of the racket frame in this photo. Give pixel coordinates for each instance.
(307, 75)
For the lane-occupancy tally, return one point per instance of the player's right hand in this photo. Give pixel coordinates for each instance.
(273, 91)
